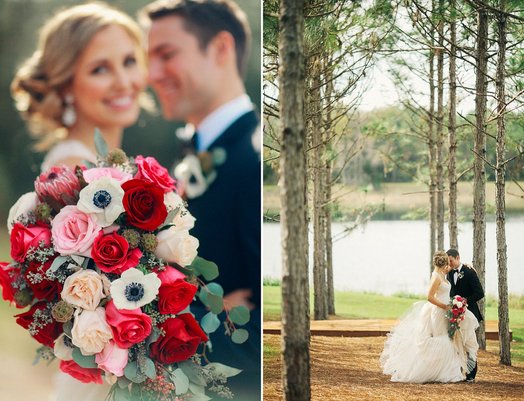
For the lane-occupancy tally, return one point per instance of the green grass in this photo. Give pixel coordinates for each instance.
(354, 305)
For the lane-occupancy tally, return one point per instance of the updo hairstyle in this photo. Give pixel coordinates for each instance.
(440, 259)
(39, 83)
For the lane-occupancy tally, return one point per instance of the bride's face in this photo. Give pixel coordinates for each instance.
(108, 79)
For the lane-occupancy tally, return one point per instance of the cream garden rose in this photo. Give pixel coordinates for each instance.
(90, 331)
(183, 220)
(24, 204)
(176, 246)
(84, 289)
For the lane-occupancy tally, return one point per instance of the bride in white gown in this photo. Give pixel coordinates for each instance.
(87, 73)
(419, 349)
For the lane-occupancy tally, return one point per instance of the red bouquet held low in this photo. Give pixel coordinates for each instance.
(456, 314)
(105, 265)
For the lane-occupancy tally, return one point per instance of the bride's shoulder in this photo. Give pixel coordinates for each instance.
(67, 150)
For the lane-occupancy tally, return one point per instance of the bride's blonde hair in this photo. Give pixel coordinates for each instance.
(38, 84)
(440, 259)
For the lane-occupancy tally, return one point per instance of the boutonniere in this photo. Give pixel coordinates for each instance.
(460, 275)
(196, 172)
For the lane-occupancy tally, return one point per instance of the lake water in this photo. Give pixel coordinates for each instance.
(388, 257)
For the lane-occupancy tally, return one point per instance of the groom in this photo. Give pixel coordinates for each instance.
(465, 282)
(197, 58)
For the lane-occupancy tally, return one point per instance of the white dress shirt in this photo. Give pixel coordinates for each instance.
(219, 120)
(456, 274)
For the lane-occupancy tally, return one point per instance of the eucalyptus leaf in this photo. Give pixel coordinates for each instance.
(215, 288)
(206, 268)
(59, 261)
(85, 361)
(100, 144)
(67, 327)
(240, 336)
(198, 391)
(155, 333)
(193, 372)
(210, 322)
(132, 373)
(121, 394)
(150, 370)
(123, 382)
(216, 303)
(79, 260)
(239, 315)
(225, 370)
(180, 380)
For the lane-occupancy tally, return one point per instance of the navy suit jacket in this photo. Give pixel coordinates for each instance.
(468, 287)
(228, 213)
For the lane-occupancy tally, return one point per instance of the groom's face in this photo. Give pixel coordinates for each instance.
(181, 72)
(454, 262)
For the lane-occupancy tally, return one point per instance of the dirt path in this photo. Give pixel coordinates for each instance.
(348, 369)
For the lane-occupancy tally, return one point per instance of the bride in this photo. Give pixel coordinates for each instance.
(88, 72)
(419, 349)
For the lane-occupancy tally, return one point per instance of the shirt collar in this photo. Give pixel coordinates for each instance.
(217, 122)
(459, 268)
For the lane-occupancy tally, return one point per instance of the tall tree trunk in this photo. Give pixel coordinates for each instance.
(329, 243)
(295, 283)
(440, 127)
(479, 185)
(432, 154)
(328, 109)
(452, 126)
(319, 246)
(500, 201)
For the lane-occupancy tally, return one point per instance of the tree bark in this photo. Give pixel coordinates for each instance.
(500, 201)
(319, 246)
(440, 127)
(479, 184)
(432, 154)
(295, 287)
(452, 130)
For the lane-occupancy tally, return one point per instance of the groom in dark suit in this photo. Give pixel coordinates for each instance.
(465, 282)
(197, 57)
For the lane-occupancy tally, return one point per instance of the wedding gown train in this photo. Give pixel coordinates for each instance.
(419, 350)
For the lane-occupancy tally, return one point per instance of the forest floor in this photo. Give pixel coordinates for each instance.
(347, 368)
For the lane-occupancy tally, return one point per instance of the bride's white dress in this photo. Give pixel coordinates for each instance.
(67, 388)
(419, 350)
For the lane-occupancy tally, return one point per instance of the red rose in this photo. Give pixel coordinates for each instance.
(85, 375)
(34, 318)
(129, 326)
(23, 238)
(7, 276)
(111, 253)
(42, 287)
(455, 312)
(150, 170)
(175, 294)
(182, 337)
(144, 204)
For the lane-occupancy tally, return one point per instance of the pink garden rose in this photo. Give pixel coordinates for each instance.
(129, 326)
(112, 359)
(91, 332)
(74, 232)
(150, 170)
(84, 289)
(23, 238)
(95, 173)
(85, 375)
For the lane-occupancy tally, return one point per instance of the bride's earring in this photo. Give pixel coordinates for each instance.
(69, 115)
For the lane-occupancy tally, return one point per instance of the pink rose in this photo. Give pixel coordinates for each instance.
(111, 253)
(23, 238)
(112, 359)
(91, 332)
(150, 170)
(129, 326)
(74, 231)
(85, 375)
(175, 294)
(95, 173)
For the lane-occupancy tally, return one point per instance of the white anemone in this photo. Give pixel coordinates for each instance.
(102, 198)
(134, 289)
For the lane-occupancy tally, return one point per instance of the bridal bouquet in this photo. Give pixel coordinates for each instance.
(455, 315)
(103, 259)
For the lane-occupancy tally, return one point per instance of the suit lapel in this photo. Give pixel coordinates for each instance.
(243, 125)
